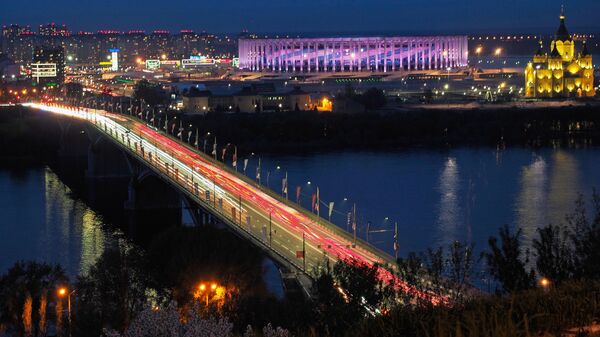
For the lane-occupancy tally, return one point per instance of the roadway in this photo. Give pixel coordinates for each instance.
(295, 235)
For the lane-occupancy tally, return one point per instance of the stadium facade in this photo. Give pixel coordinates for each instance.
(342, 54)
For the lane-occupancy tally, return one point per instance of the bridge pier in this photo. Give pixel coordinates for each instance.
(106, 161)
(146, 191)
(73, 143)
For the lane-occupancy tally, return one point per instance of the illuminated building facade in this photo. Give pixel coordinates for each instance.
(562, 73)
(90, 48)
(381, 54)
(44, 58)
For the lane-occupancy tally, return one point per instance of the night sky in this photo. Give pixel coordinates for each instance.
(351, 16)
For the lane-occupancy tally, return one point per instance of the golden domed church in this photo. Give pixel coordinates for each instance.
(562, 73)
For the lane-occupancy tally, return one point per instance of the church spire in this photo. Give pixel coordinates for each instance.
(585, 51)
(562, 34)
(540, 51)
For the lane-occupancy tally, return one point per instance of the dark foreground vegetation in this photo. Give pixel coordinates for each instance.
(550, 288)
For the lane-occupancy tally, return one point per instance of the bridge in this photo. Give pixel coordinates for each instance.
(297, 239)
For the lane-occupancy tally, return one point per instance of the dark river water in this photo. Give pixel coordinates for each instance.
(43, 220)
(436, 197)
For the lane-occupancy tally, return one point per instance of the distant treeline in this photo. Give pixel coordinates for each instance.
(28, 132)
(310, 131)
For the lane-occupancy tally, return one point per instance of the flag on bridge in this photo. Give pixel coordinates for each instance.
(214, 151)
(354, 219)
(245, 165)
(234, 163)
(223, 153)
(314, 202)
(396, 245)
(196, 142)
(190, 135)
(298, 192)
(284, 186)
(258, 171)
(331, 209)
(318, 202)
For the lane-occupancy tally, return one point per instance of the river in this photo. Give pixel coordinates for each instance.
(436, 197)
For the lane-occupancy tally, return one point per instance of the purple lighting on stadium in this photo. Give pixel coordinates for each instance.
(381, 54)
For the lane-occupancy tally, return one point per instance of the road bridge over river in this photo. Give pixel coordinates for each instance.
(296, 238)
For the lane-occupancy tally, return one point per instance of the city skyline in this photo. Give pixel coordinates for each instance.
(335, 16)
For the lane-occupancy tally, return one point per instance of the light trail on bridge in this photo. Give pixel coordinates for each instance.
(285, 228)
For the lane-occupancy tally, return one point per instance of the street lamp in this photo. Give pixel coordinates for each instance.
(204, 290)
(545, 283)
(497, 53)
(62, 292)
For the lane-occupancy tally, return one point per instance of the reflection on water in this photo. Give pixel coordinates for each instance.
(461, 194)
(564, 186)
(449, 211)
(531, 202)
(430, 194)
(548, 192)
(48, 223)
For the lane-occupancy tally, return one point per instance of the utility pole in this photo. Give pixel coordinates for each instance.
(214, 193)
(396, 246)
(240, 210)
(303, 252)
(354, 223)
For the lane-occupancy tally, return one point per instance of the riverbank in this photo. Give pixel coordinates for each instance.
(434, 128)
(31, 133)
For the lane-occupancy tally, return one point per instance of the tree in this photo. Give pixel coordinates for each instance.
(363, 288)
(411, 269)
(42, 315)
(113, 291)
(24, 284)
(330, 307)
(586, 239)
(460, 263)
(26, 316)
(433, 260)
(183, 257)
(506, 262)
(554, 253)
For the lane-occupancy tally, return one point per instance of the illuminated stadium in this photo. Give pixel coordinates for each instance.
(382, 54)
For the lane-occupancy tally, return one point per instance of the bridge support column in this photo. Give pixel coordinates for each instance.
(106, 161)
